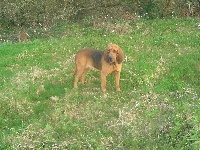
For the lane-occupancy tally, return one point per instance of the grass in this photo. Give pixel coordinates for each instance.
(158, 107)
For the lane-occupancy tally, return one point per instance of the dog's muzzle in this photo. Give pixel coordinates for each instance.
(111, 59)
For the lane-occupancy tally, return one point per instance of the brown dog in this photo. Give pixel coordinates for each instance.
(108, 61)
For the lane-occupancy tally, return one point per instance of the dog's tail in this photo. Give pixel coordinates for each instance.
(75, 70)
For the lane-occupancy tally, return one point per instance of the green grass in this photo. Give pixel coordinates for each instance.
(158, 107)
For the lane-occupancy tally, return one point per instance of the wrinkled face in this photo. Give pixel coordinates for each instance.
(112, 53)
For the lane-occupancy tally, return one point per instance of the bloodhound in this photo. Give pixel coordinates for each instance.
(108, 61)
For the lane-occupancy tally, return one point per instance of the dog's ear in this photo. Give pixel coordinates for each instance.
(120, 56)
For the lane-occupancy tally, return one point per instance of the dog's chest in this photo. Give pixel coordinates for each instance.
(111, 68)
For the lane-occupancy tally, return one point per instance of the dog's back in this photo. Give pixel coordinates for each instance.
(89, 58)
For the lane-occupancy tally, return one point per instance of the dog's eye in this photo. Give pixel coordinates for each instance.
(108, 51)
(114, 51)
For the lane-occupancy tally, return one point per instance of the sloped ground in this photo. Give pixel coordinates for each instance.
(158, 107)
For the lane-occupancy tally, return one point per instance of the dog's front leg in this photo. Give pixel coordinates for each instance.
(117, 77)
(103, 82)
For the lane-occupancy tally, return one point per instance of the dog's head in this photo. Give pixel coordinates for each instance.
(113, 54)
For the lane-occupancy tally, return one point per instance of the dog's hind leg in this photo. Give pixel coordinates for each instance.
(84, 74)
(78, 73)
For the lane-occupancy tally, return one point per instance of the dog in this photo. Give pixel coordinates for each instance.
(108, 61)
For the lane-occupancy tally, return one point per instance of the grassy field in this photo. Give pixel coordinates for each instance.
(158, 108)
